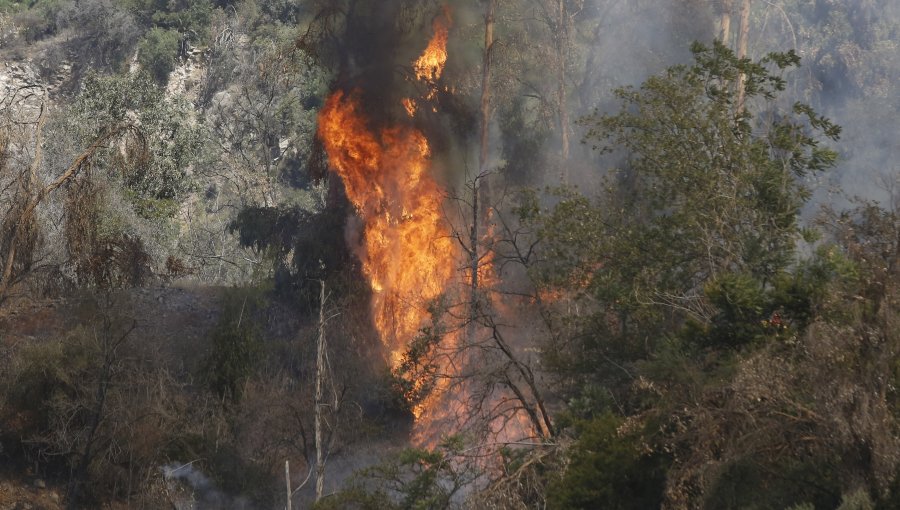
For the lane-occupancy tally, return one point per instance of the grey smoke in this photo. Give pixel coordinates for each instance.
(193, 490)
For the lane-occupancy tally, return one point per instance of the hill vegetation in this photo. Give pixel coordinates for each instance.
(671, 231)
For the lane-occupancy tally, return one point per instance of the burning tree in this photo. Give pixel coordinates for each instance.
(462, 372)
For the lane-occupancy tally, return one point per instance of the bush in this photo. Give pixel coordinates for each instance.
(236, 346)
(91, 408)
(158, 51)
(103, 33)
(858, 500)
(608, 470)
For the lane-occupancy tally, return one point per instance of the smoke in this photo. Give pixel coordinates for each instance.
(850, 72)
(370, 47)
(193, 490)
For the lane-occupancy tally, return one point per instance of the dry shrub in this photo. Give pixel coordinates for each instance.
(826, 400)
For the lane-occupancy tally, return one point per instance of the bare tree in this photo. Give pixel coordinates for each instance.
(109, 342)
(743, 37)
(725, 21)
(20, 224)
(464, 364)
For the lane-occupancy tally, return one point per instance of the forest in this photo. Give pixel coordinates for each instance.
(447, 254)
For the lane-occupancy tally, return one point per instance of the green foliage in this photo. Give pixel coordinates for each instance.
(607, 469)
(744, 486)
(708, 183)
(158, 51)
(236, 346)
(415, 377)
(187, 18)
(11, 6)
(739, 300)
(686, 274)
(104, 33)
(413, 479)
(696, 234)
(174, 142)
(37, 20)
(313, 239)
(857, 500)
(290, 12)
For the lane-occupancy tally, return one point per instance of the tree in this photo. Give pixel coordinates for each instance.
(97, 408)
(157, 53)
(608, 470)
(103, 32)
(687, 261)
(122, 207)
(684, 144)
(19, 224)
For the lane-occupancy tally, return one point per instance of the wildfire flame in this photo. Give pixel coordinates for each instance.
(430, 64)
(410, 105)
(406, 253)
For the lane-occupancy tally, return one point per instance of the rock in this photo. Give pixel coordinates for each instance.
(39, 484)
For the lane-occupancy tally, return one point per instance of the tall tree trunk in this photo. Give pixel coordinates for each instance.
(473, 263)
(486, 84)
(725, 22)
(481, 189)
(482, 184)
(742, 51)
(287, 483)
(320, 375)
(562, 42)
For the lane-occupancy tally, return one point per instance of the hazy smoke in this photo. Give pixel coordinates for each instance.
(195, 491)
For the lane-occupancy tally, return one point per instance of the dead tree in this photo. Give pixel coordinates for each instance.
(486, 367)
(320, 376)
(21, 216)
(110, 343)
(743, 38)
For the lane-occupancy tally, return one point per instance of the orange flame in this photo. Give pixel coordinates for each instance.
(410, 106)
(430, 65)
(406, 253)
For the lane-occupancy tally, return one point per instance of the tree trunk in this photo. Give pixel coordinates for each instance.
(725, 23)
(480, 184)
(484, 188)
(320, 374)
(473, 263)
(562, 42)
(287, 483)
(742, 51)
(486, 85)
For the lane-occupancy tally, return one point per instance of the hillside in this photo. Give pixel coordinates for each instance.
(422, 254)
